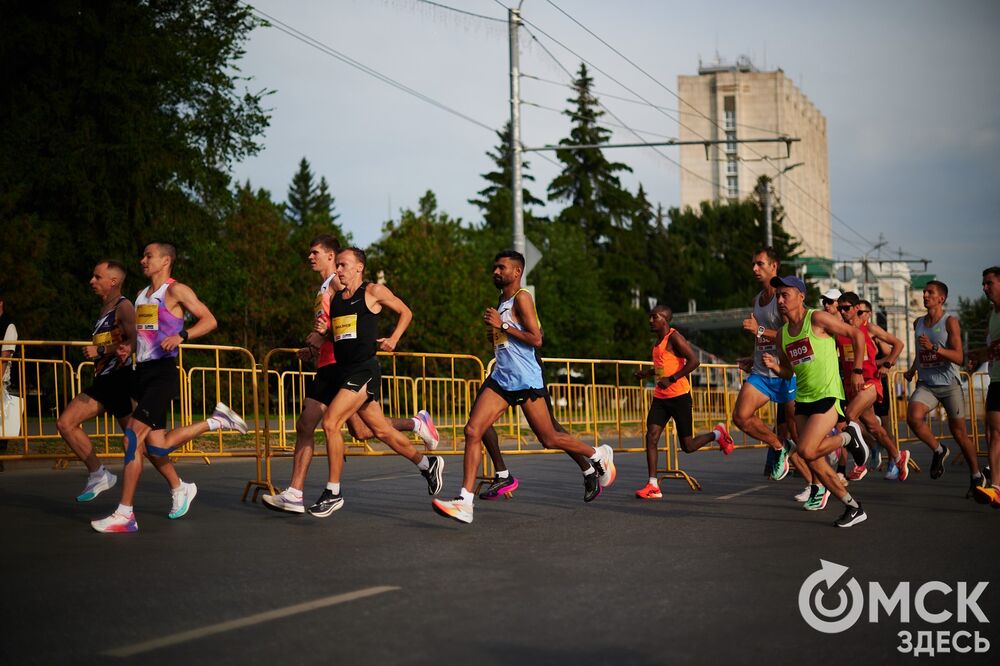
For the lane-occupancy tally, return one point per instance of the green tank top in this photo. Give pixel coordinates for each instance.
(815, 363)
(994, 342)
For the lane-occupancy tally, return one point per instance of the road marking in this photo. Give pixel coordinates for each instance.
(742, 492)
(250, 620)
(386, 478)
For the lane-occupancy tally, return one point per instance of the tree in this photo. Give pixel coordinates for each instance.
(496, 200)
(974, 315)
(310, 207)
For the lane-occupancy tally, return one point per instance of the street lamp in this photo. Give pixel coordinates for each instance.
(765, 195)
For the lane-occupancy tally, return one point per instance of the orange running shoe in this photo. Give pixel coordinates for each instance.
(989, 496)
(725, 441)
(649, 492)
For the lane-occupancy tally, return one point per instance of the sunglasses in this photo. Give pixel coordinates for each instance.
(844, 308)
(864, 311)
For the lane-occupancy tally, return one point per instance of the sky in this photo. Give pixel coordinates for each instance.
(909, 89)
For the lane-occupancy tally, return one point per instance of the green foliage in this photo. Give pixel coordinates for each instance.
(496, 199)
(974, 315)
(310, 207)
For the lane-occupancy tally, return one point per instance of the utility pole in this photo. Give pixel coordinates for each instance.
(764, 191)
(513, 23)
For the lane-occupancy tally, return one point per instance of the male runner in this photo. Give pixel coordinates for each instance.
(860, 402)
(809, 351)
(881, 408)
(354, 324)
(673, 361)
(516, 380)
(322, 387)
(939, 348)
(991, 287)
(112, 376)
(159, 316)
(762, 385)
(829, 301)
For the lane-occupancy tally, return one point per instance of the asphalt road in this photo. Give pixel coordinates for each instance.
(698, 577)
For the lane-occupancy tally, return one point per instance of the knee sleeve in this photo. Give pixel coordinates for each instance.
(131, 442)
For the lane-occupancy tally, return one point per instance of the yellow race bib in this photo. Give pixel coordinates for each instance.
(345, 327)
(499, 338)
(147, 317)
(103, 339)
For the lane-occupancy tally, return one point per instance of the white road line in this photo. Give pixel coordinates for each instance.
(250, 620)
(742, 492)
(386, 478)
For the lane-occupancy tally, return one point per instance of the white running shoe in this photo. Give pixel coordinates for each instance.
(229, 419)
(97, 485)
(425, 429)
(606, 466)
(804, 495)
(284, 502)
(116, 522)
(182, 498)
(456, 509)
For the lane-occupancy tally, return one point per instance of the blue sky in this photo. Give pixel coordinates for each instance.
(909, 89)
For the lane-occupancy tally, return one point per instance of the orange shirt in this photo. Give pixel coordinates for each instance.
(666, 363)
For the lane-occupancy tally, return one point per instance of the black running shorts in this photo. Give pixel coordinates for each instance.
(993, 397)
(818, 407)
(366, 376)
(680, 408)
(113, 391)
(155, 384)
(515, 398)
(323, 386)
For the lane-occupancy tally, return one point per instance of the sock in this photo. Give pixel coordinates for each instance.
(124, 509)
(589, 471)
(896, 459)
(845, 438)
(716, 435)
(937, 448)
(466, 496)
(424, 464)
(653, 481)
(849, 501)
(598, 455)
(213, 424)
(504, 474)
(294, 493)
(333, 488)
(99, 473)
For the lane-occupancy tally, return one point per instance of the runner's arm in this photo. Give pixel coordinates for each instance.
(384, 297)
(896, 345)
(953, 351)
(187, 299)
(681, 348)
(524, 309)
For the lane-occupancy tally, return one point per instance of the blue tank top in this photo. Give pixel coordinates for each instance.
(933, 369)
(517, 367)
(108, 334)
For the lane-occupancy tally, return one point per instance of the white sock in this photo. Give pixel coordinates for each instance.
(716, 435)
(466, 497)
(333, 488)
(179, 488)
(294, 493)
(504, 474)
(653, 481)
(213, 424)
(124, 509)
(598, 455)
(589, 471)
(99, 473)
(977, 476)
(424, 464)
(896, 459)
(845, 439)
(937, 448)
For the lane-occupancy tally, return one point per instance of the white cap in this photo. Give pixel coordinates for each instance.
(832, 294)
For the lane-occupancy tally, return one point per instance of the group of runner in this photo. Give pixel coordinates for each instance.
(824, 370)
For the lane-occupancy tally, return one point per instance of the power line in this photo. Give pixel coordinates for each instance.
(462, 11)
(563, 111)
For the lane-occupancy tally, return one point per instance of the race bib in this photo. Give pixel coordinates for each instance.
(499, 339)
(345, 327)
(800, 351)
(930, 358)
(147, 317)
(657, 371)
(766, 346)
(848, 352)
(103, 339)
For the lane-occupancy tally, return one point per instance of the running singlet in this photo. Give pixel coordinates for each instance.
(768, 317)
(934, 370)
(814, 361)
(845, 348)
(154, 323)
(993, 342)
(666, 363)
(321, 311)
(354, 327)
(108, 334)
(517, 367)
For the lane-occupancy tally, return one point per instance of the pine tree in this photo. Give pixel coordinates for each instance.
(496, 200)
(309, 209)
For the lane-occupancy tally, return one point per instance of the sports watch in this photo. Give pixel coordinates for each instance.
(505, 326)
(760, 331)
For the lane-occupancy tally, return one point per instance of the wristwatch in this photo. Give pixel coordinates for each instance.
(184, 335)
(505, 326)
(760, 331)
(886, 364)
(857, 371)
(935, 347)
(101, 351)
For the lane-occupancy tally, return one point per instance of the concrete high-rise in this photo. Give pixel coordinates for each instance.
(726, 102)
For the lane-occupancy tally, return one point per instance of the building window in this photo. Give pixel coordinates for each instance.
(729, 112)
(733, 187)
(731, 143)
(731, 167)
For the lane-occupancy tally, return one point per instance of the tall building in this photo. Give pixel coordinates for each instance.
(726, 102)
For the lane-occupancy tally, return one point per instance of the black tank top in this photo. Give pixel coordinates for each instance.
(354, 327)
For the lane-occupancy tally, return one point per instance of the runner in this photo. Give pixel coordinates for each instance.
(762, 385)
(860, 402)
(112, 376)
(881, 408)
(160, 310)
(353, 322)
(673, 361)
(516, 380)
(322, 387)
(810, 353)
(991, 287)
(939, 348)
(829, 301)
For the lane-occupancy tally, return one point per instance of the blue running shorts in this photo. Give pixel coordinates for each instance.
(776, 389)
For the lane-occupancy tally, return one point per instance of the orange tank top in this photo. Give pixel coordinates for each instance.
(666, 363)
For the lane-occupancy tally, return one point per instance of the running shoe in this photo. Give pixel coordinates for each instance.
(726, 443)
(987, 474)
(875, 460)
(228, 419)
(817, 501)
(606, 466)
(97, 484)
(326, 504)
(974, 483)
(857, 447)
(804, 495)
(988, 495)
(116, 522)
(283, 501)
(499, 487)
(434, 475)
(892, 471)
(456, 509)
(769, 461)
(903, 467)
(649, 492)
(857, 473)
(182, 497)
(591, 486)
(937, 461)
(851, 516)
(425, 429)
(780, 469)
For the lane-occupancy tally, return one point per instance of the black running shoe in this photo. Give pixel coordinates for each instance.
(434, 475)
(937, 462)
(591, 486)
(857, 447)
(851, 517)
(982, 482)
(987, 476)
(326, 504)
(499, 487)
